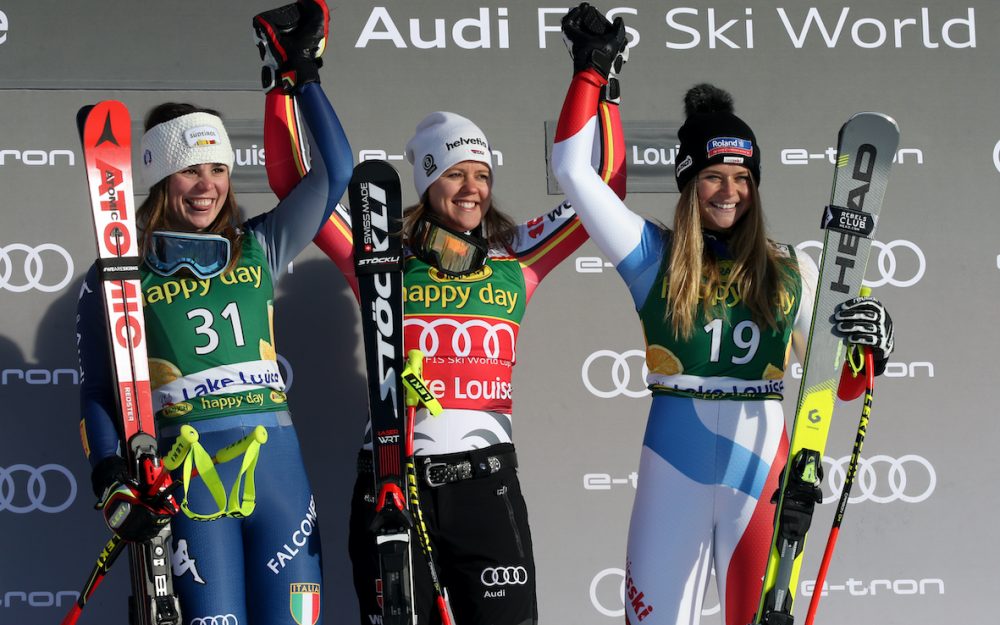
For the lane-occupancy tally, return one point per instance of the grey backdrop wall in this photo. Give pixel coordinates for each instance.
(917, 545)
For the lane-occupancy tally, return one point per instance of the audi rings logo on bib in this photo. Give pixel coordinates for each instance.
(463, 338)
(900, 263)
(504, 576)
(608, 374)
(882, 479)
(50, 488)
(218, 619)
(46, 267)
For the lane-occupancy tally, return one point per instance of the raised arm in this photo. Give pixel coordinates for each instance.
(598, 49)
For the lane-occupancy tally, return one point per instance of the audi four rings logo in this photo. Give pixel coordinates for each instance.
(35, 274)
(910, 478)
(461, 339)
(36, 489)
(628, 373)
(504, 576)
(606, 597)
(218, 619)
(886, 262)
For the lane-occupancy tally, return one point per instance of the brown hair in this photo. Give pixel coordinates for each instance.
(152, 214)
(497, 227)
(759, 273)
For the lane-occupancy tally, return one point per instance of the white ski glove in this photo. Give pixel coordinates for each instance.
(865, 321)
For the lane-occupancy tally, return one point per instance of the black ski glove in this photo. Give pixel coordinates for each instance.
(596, 43)
(865, 321)
(129, 513)
(291, 39)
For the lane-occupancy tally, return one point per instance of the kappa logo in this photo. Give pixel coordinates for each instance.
(182, 563)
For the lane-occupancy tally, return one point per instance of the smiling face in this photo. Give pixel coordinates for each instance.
(723, 195)
(460, 198)
(196, 195)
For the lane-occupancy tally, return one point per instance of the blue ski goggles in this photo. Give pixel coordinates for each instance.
(204, 255)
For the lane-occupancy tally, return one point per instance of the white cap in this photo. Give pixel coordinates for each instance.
(443, 140)
(184, 141)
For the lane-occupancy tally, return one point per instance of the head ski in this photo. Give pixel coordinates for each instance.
(866, 147)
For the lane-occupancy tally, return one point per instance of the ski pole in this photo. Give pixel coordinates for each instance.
(108, 555)
(852, 470)
(418, 394)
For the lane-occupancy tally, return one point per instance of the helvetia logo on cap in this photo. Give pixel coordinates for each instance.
(202, 135)
(729, 145)
(465, 141)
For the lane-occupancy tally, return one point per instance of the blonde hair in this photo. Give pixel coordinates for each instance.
(760, 271)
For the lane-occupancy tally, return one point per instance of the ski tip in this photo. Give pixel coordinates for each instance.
(874, 115)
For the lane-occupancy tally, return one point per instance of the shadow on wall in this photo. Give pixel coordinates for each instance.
(316, 330)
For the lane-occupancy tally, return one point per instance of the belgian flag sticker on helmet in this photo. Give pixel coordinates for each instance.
(305, 603)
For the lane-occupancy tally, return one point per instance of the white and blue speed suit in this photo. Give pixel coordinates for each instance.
(715, 440)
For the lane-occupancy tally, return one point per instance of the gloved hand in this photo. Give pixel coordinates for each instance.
(865, 321)
(596, 43)
(291, 39)
(131, 514)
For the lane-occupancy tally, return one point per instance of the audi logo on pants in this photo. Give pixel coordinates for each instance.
(910, 478)
(218, 619)
(34, 274)
(35, 491)
(504, 576)
(883, 259)
(626, 373)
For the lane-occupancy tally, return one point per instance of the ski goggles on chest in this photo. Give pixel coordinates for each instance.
(450, 252)
(204, 255)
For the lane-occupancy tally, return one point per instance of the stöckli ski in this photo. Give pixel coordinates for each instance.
(376, 217)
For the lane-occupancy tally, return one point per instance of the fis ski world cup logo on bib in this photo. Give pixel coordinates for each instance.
(729, 145)
(305, 603)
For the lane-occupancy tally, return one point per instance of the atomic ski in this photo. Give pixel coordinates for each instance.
(866, 147)
(376, 218)
(105, 130)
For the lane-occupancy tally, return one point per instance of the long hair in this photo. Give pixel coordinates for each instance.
(759, 273)
(153, 214)
(497, 227)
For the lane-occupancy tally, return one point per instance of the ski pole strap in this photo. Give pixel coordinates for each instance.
(196, 462)
(417, 393)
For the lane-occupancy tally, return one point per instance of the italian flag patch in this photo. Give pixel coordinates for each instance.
(305, 603)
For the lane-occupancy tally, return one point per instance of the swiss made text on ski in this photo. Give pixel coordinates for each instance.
(376, 217)
(866, 147)
(105, 130)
